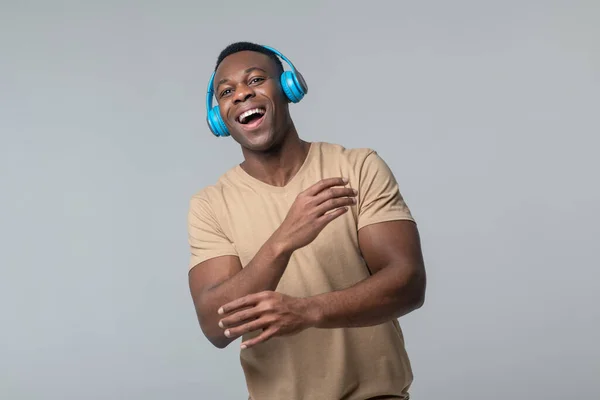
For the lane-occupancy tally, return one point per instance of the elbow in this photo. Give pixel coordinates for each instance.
(420, 290)
(212, 332)
(417, 289)
(208, 321)
(215, 335)
(420, 299)
(216, 338)
(412, 303)
(219, 343)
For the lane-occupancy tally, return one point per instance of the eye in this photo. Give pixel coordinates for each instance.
(225, 92)
(256, 80)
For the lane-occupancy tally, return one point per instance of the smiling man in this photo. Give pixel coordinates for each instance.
(306, 251)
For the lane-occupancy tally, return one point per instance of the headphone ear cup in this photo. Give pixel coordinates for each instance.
(291, 87)
(216, 123)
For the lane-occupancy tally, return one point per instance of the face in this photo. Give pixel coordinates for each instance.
(251, 100)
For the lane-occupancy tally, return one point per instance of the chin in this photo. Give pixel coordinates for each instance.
(261, 140)
(256, 141)
(264, 137)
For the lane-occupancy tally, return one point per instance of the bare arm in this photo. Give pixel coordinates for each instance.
(220, 280)
(392, 251)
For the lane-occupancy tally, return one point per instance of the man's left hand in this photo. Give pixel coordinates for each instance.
(274, 313)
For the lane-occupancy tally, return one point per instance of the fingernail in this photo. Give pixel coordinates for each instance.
(354, 191)
(345, 180)
(221, 324)
(220, 311)
(227, 333)
(243, 346)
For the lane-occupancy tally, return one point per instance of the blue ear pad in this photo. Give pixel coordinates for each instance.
(216, 123)
(213, 116)
(291, 86)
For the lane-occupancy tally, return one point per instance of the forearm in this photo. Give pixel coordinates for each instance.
(262, 273)
(386, 295)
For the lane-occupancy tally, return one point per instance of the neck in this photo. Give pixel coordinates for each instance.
(278, 165)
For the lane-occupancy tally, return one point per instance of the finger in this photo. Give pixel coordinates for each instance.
(248, 327)
(240, 317)
(333, 192)
(243, 302)
(324, 184)
(330, 216)
(335, 203)
(264, 336)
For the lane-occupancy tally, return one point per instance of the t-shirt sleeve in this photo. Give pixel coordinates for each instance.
(205, 236)
(379, 197)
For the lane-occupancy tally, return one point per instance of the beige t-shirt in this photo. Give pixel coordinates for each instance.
(239, 213)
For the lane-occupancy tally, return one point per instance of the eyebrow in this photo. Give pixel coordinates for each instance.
(247, 71)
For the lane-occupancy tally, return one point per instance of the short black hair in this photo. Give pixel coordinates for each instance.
(248, 46)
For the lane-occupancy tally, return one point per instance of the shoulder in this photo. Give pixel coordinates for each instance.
(210, 196)
(364, 166)
(351, 155)
(357, 159)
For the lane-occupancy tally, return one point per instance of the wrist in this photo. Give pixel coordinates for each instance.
(312, 311)
(280, 246)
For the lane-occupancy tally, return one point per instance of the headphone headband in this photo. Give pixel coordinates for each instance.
(292, 83)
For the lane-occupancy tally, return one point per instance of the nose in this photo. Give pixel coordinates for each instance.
(243, 93)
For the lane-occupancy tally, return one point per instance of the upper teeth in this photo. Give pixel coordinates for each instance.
(248, 113)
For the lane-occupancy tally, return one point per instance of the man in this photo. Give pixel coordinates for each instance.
(305, 250)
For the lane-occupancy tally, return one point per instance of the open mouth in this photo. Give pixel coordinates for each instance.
(252, 118)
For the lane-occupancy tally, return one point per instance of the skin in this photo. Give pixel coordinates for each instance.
(230, 300)
(274, 152)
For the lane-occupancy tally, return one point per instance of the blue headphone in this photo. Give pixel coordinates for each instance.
(293, 84)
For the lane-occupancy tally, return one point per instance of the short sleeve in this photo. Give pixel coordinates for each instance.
(205, 236)
(379, 197)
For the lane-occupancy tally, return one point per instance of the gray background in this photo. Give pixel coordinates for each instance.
(487, 112)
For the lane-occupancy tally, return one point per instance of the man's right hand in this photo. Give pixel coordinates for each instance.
(312, 210)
